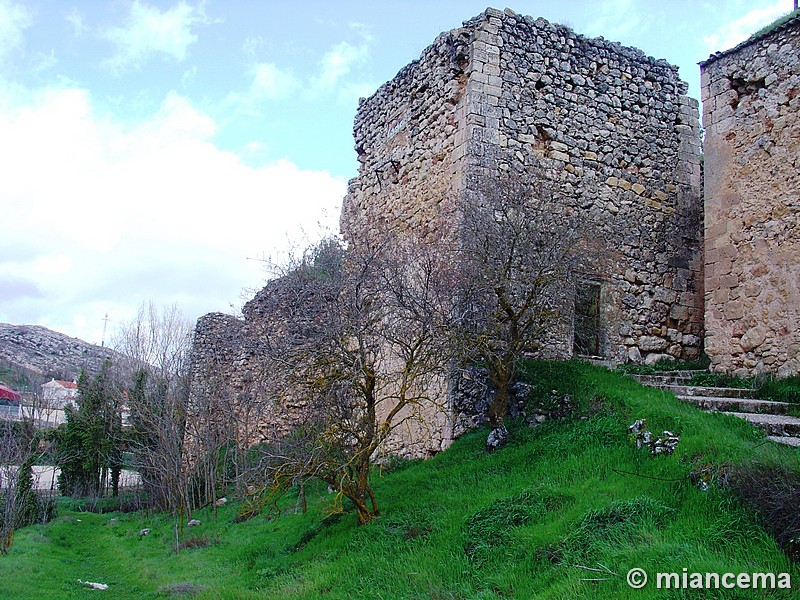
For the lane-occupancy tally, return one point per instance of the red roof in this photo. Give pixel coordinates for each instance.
(6, 393)
(68, 384)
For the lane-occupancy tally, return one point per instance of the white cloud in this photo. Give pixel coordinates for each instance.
(14, 20)
(267, 83)
(150, 32)
(732, 33)
(615, 19)
(105, 216)
(338, 62)
(272, 83)
(75, 18)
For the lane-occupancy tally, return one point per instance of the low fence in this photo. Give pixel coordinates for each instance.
(45, 478)
(9, 412)
(42, 418)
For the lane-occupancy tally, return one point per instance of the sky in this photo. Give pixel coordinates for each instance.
(168, 151)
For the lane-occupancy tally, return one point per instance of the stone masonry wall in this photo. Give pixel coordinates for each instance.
(608, 125)
(232, 396)
(235, 393)
(614, 131)
(409, 150)
(751, 97)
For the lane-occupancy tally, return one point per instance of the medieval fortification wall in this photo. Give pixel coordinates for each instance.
(751, 97)
(610, 127)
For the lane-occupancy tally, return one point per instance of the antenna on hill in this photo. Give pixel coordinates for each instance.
(105, 324)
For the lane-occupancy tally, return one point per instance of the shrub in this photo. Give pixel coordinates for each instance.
(201, 541)
(774, 493)
(622, 523)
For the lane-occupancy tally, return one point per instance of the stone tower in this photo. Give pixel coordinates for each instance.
(608, 126)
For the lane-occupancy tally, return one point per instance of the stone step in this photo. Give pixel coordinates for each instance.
(794, 442)
(773, 425)
(665, 378)
(710, 392)
(739, 405)
(678, 373)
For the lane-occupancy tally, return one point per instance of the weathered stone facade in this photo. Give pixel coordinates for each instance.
(751, 97)
(610, 127)
(233, 387)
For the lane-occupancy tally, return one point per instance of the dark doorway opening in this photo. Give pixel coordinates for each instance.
(587, 338)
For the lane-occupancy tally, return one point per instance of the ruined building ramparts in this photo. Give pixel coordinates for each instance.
(610, 127)
(751, 97)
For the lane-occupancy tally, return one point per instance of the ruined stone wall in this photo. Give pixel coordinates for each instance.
(614, 131)
(233, 392)
(609, 126)
(409, 150)
(236, 393)
(751, 97)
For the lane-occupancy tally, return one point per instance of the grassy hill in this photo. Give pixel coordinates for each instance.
(527, 521)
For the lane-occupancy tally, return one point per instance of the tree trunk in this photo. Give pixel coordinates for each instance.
(364, 513)
(501, 378)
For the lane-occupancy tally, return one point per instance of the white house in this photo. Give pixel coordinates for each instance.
(49, 410)
(57, 393)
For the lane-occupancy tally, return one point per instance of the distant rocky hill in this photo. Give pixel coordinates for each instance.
(31, 353)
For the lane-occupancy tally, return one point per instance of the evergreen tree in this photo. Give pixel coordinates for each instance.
(89, 445)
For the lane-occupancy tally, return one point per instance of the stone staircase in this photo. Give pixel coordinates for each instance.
(770, 416)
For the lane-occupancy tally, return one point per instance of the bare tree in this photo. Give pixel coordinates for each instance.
(157, 344)
(13, 452)
(357, 339)
(20, 502)
(520, 247)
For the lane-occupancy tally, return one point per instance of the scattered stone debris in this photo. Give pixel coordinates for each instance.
(145, 531)
(193, 523)
(497, 438)
(221, 502)
(93, 585)
(665, 444)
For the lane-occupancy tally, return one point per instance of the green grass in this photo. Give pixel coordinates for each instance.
(665, 365)
(775, 24)
(782, 390)
(722, 380)
(520, 522)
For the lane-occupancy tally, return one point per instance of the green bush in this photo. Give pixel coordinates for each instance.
(623, 523)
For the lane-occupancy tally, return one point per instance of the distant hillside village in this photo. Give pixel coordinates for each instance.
(44, 407)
